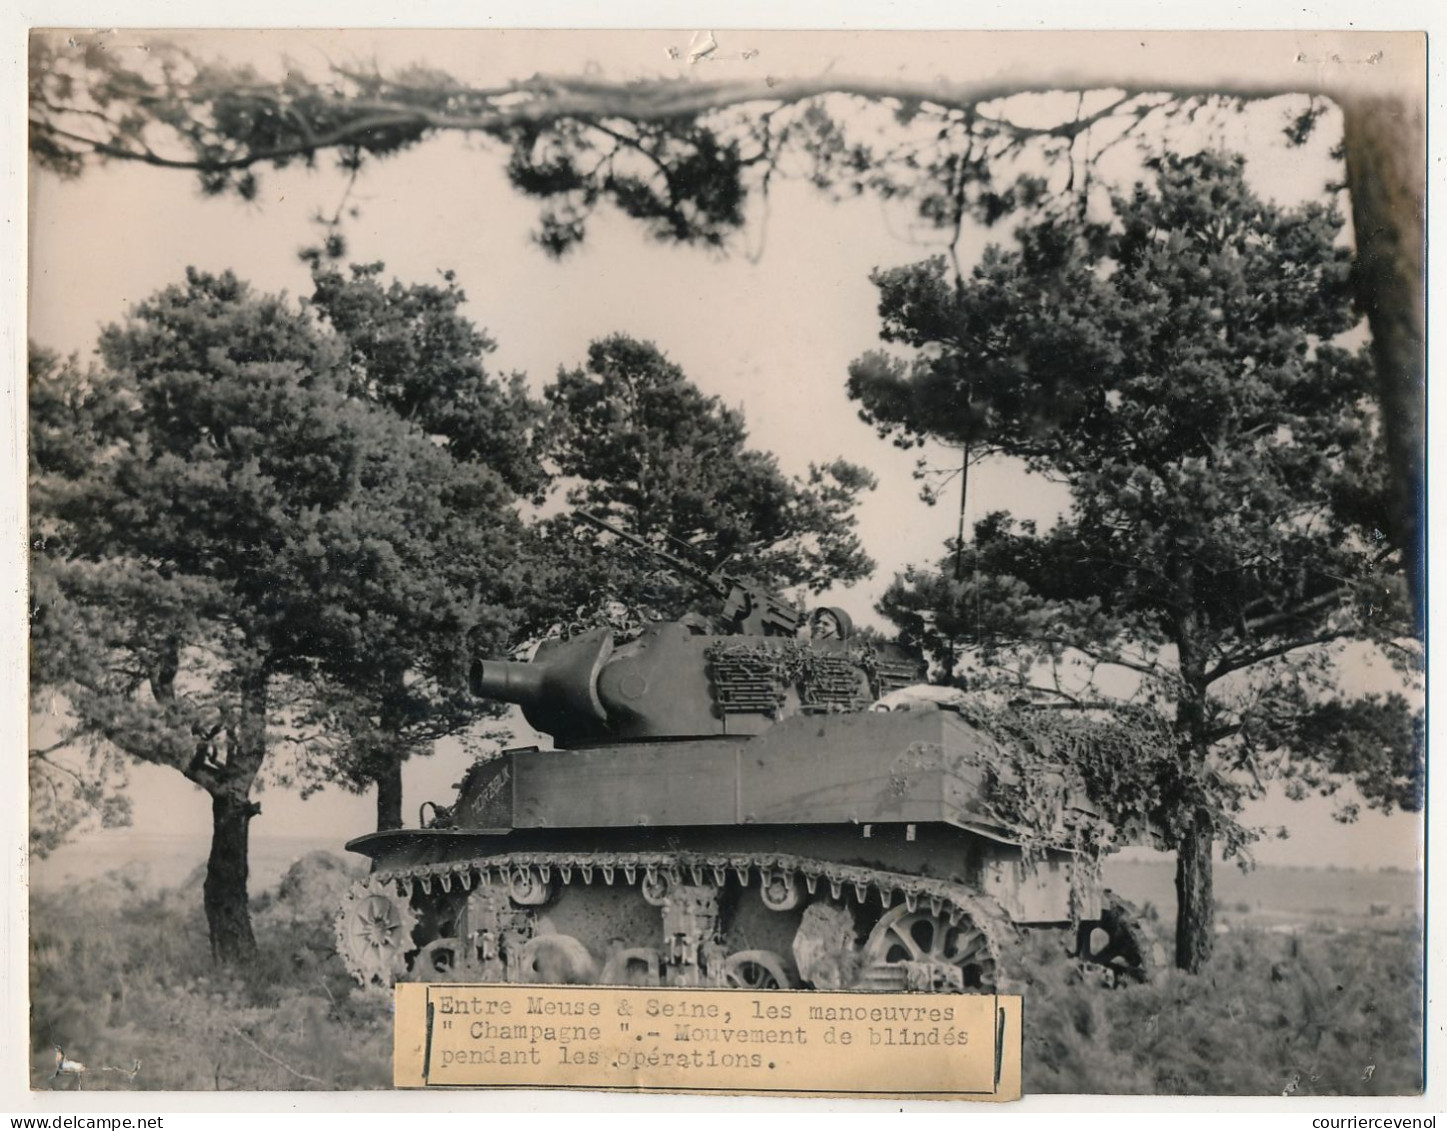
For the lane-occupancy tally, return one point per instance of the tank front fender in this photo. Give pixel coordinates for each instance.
(397, 843)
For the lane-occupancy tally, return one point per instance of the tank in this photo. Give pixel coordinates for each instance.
(758, 799)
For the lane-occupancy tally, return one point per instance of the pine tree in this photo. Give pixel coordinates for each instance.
(640, 445)
(217, 523)
(1178, 368)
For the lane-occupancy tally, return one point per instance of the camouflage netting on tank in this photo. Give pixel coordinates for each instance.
(1044, 757)
(756, 677)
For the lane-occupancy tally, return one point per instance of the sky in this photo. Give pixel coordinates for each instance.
(771, 332)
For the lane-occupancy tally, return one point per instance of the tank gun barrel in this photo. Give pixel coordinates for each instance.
(508, 681)
(748, 608)
(558, 690)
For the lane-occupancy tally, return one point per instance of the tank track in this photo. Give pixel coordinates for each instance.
(939, 913)
(942, 896)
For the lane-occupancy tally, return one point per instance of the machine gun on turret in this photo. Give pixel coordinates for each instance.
(749, 608)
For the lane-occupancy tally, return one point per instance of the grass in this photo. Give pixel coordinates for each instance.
(1316, 1013)
(120, 973)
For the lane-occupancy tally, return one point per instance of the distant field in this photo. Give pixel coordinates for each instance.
(168, 860)
(1275, 896)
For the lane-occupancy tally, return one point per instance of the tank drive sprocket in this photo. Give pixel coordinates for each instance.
(374, 928)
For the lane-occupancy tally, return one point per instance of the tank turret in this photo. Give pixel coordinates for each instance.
(757, 663)
(671, 682)
(558, 690)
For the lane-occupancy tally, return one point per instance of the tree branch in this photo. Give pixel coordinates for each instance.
(274, 1059)
(1076, 705)
(1245, 660)
(555, 99)
(40, 756)
(1300, 612)
(1115, 659)
(342, 135)
(60, 744)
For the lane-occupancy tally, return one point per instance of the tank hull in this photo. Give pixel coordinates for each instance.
(920, 767)
(850, 851)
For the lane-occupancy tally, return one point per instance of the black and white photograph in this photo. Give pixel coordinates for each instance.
(879, 512)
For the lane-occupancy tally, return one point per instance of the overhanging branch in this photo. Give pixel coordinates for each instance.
(546, 101)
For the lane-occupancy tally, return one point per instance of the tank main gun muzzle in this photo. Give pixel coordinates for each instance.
(558, 689)
(506, 680)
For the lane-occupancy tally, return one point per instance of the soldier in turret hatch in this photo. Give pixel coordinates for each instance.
(829, 624)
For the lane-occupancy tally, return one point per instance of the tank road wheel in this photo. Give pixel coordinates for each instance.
(918, 950)
(779, 891)
(825, 946)
(528, 889)
(635, 966)
(556, 960)
(374, 933)
(1118, 943)
(755, 970)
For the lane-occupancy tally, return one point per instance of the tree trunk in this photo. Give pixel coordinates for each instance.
(1386, 159)
(228, 912)
(388, 770)
(389, 795)
(1195, 903)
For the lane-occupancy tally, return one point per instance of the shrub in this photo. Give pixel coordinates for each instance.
(1332, 1014)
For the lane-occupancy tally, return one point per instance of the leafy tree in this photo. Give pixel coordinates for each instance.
(1177, 368)
(574, 143)
(66, 792)
(642, 447)
(682, 158)
(410, 351)
(215, 520)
